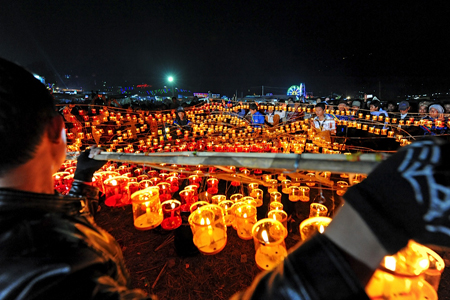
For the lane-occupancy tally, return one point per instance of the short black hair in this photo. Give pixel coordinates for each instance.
(253, 106)
(321, 105)
(26, 107)
(376, 103)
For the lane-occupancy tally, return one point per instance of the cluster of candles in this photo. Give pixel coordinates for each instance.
(414, 271)
(221, 130)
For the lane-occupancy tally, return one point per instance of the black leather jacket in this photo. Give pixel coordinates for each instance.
(51, 248)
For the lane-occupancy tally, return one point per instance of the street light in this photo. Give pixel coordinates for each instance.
(170, 78)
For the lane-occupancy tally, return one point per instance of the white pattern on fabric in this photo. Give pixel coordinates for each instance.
(423, 169)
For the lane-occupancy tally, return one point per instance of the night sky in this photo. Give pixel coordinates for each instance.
(224, 46)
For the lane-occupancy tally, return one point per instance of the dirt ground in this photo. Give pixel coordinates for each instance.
(156, 266)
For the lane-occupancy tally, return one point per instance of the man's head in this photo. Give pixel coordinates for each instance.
(253, 108)
(343, 105)
(375, 105)
(180, 112)
(403, 107)
(320, 109)
(423, 108)
(435, 110)
(27, 114)
(356, 105)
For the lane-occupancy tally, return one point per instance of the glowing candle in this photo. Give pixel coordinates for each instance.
(147, 212)
(270, 249)
(208, 229)
(312, 225)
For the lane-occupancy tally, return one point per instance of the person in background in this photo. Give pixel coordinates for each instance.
(255, 117)
(181, 118)
(447, 107)
(271, 118)
(242, 113)
(281, 112)
(324, 125)
(356, 106)
(51, 247)
(376, 110)
(404, 108)
(295, 114)
(435, 122)
(175, 103)
(423, 109)
(391, 107)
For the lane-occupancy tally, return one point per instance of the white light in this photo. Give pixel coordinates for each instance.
(170, 78)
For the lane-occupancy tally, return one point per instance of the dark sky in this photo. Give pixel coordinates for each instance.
(225, 46)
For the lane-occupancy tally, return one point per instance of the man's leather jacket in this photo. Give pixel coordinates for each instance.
(50, 248)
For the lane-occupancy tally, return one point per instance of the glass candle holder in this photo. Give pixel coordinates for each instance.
(285, 185)
(174, 184)
(132, 187)
(228, 213)
(145, 184)
(275, 197)
(142, 177)
(163, 176)
(272, 185)
(304, 193)
(341, 187)
(248, 200)
(165, 192)
(258, 195)
(312, 225)
(187, 198)
(279, 215)
(402, 274)
(155, 180)
(252, 186)
(209, 229)
(317, 210)
(310, 179)
(147, 211)
(116, 192)
(294, 193)
(100, 177)
(171, 214)
(212, 185)
(216, 199)
(270, 249)
(236, 197)
(245, 217)
(275, 206)
(197, 205)
(195, 180)
(194, 188)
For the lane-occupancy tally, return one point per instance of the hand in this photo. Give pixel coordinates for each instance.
(86, 165)
(407, 196)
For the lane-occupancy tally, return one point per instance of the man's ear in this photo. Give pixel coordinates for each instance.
(54, 128)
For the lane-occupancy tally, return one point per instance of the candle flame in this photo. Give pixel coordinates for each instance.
(390, 262)
(321, 228)
(264, 236)
(204, 221)
(114, 182)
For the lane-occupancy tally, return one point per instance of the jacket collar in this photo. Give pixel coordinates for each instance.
(11, 200)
